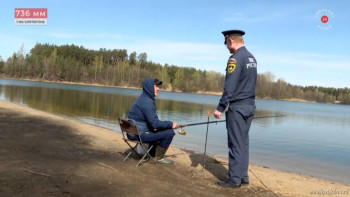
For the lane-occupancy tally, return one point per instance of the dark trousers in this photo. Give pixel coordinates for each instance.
(238, 120)
(163, 138)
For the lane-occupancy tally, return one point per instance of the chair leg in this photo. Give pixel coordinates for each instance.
(142, 157)
(132, 150)
(149, 149)
(127, 156)
(141, 160)
(147, 153)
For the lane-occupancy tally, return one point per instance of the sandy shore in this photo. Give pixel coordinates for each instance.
(47, 155)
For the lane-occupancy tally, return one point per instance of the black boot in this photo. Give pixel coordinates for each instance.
(228, 184)
(152, 152)
(160, 152)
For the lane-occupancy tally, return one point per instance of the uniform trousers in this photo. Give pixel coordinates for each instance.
(238, 120)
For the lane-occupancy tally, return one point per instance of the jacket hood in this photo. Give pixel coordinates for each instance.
(148, 87)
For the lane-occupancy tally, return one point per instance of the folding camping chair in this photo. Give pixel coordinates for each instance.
(128, 126)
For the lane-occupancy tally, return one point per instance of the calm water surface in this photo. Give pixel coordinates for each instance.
(311, 138)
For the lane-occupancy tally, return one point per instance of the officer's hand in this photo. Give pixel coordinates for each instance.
(217, 114)
(175, 125)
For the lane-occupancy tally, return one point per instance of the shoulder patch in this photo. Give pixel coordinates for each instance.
(232, 60)
(231, 65)
(231, 68)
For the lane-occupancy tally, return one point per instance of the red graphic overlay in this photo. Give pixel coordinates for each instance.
(30, 13)
(324, 19)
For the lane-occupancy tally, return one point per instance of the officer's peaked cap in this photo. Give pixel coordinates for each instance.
(232, 33)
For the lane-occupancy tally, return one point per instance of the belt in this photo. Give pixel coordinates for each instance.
(247, 101)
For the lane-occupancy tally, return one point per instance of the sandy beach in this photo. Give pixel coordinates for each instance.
(42, 154)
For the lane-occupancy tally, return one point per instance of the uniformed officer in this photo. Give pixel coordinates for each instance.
(239, 97)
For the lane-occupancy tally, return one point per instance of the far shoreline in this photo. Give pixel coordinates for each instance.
(165, 90)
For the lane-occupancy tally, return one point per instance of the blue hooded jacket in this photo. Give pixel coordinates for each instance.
(143, 110)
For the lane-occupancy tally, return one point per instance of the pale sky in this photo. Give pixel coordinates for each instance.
(286, 37)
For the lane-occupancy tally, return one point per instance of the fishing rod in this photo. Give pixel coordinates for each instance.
(183, 131)
(217, 121)
(206, 139)
(200, 123)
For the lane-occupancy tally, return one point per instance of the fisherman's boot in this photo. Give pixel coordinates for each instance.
(160, 152)
(154, 145)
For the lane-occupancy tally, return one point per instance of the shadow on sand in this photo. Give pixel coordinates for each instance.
(213, 166)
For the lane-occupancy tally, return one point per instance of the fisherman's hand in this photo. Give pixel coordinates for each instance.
(217, 114)
(175, 125)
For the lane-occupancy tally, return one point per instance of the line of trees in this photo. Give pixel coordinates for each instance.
(268, 87)
(107, 67)
(118, 68)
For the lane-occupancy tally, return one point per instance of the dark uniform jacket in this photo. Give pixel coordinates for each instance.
(240, 81)
(143, 110)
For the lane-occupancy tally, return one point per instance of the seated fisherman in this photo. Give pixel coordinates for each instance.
(151, 129)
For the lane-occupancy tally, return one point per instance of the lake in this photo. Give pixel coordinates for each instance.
(310, 138)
